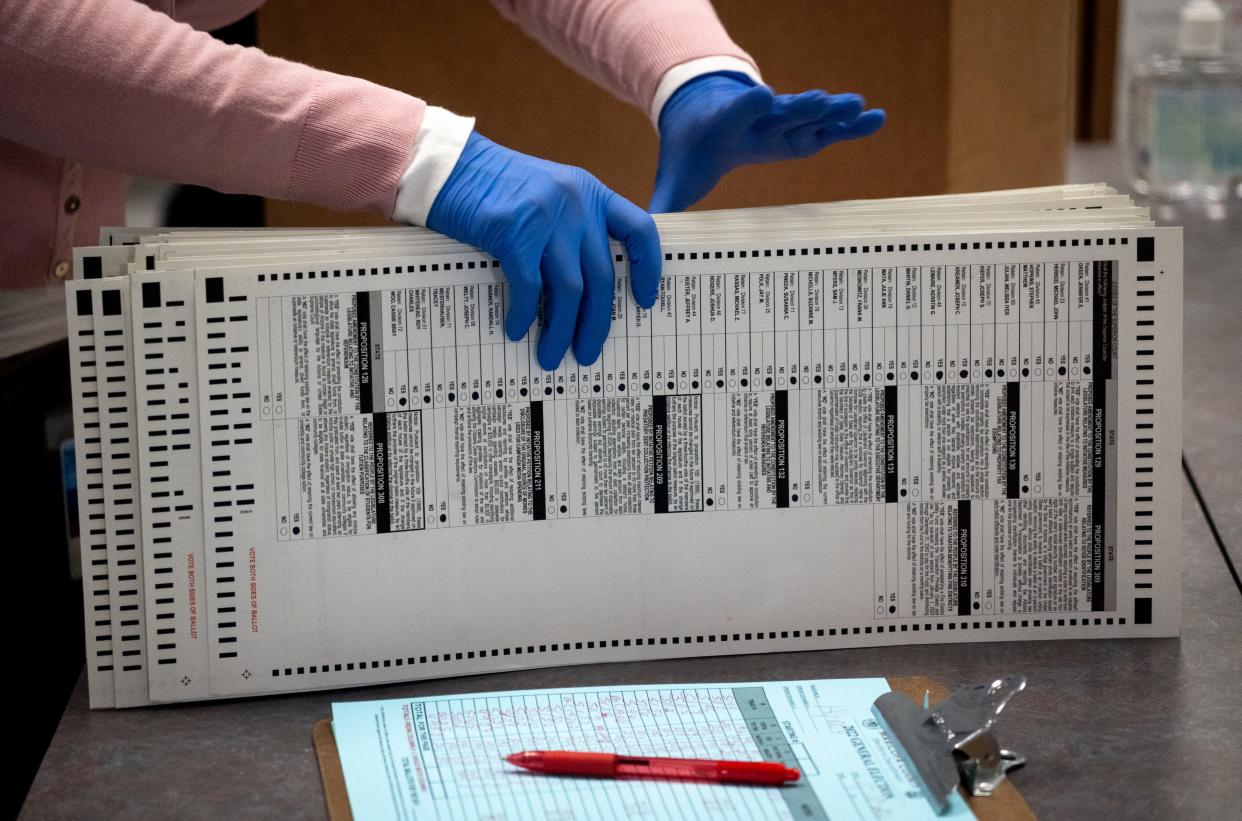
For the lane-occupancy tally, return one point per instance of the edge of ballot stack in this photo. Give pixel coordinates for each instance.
(310, 459)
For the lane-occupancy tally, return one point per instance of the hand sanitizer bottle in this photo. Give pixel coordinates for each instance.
(1186, 115)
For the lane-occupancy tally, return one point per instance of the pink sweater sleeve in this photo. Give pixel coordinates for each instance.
(624, 45)
(113, 84)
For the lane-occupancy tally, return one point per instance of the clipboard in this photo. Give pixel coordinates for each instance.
(1006, 804)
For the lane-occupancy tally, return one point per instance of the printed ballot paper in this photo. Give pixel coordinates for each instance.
(311, 459)
(442, 757)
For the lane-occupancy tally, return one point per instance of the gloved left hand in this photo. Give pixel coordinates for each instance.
(549, 224)
(717, 122)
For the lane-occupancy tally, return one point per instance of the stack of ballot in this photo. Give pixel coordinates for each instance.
(310, 458)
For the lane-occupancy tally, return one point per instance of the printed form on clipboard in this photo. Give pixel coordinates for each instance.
(442, 757)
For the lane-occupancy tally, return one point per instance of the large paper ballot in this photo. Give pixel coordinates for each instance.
(310, 459)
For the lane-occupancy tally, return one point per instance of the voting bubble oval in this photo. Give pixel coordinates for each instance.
(267, 411)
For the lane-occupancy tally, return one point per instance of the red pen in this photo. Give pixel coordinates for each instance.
(609, 765)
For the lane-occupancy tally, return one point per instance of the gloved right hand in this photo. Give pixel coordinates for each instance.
(548, 225)
(720, 121)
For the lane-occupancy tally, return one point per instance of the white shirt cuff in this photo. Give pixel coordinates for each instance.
(680, 74)
(437, 146)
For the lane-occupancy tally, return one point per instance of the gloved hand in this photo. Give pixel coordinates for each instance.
(716, 122)
(548, 225)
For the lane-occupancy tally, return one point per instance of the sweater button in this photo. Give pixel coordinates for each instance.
(61, 270)
(72, 204)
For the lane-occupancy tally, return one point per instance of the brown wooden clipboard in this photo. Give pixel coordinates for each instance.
(1005, 805)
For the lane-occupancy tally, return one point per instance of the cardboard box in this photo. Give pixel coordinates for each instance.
(978, 92)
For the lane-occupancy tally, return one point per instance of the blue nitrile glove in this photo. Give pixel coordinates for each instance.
(716, 122)
(548, 224)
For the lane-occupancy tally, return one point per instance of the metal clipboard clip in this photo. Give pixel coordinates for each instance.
(952, 743)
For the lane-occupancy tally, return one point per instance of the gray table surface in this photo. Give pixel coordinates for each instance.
(1212, 370)
(1120, 729)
